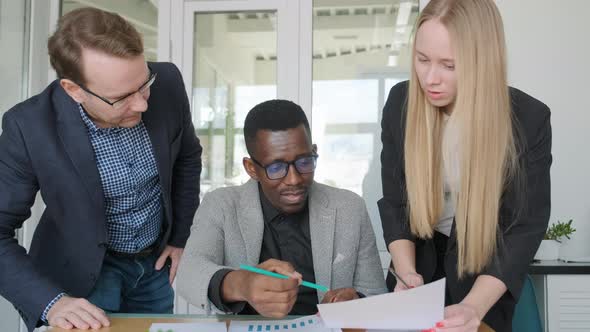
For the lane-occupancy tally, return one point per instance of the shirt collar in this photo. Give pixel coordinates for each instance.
(92, 127)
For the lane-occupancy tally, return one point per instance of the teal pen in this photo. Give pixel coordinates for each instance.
(282, 276)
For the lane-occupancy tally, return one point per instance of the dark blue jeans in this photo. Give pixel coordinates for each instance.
(132, 285)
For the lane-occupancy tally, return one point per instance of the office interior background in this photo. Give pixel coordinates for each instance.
(337, 59)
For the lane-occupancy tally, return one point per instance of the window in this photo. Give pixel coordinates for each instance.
(14, 40)
(360, 50)
(142, 14)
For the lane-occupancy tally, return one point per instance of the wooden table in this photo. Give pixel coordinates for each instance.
(142, 323)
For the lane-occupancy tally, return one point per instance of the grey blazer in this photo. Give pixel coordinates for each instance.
(228, 228)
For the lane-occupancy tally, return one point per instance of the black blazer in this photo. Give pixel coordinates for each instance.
(524, 211)
(45, 147)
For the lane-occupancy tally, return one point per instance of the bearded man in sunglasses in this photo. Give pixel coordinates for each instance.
(282, 221)
(111, 148)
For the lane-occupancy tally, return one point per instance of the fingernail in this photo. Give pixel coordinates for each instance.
(412, 287)
(440, 324)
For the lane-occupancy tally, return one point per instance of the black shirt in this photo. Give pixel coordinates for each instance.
(286, 237)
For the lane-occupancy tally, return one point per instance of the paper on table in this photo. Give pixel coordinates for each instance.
(189, 327)
(415, 309)
(304, 324)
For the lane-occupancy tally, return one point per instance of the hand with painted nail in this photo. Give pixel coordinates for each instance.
(412, 279)
(459, 317)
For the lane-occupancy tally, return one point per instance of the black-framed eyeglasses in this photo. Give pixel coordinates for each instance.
(279, 169)
(124, 101)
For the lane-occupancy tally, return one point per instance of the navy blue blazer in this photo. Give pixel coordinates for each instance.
(45, 147)
(524, 208)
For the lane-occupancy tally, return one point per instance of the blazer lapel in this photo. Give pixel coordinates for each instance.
(74, 136)
(251, 222)
(157, 131)
(322, 222)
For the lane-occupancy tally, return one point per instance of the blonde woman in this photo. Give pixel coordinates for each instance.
(465, 168)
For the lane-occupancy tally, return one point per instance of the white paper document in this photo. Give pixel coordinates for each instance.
(189, 327)
(415, 309)
(304, 324)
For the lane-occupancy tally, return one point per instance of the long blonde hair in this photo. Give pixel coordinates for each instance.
(482, 118)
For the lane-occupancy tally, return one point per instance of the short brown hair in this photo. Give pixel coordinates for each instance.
(90, 28)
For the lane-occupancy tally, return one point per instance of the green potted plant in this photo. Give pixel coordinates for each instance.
(549, 248)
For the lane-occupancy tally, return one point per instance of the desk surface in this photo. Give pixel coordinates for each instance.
(142, 323)
(558, 267)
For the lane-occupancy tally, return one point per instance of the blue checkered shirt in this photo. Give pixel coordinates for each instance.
(130, 184)
(131, 187)
(48, 307)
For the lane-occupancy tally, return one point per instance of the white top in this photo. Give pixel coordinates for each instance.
(451, 177)
(445, 222)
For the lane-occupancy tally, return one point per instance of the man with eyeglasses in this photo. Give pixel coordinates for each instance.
(111, 148)
(282, 221)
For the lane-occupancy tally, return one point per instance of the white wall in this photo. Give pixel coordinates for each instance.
(549, 58)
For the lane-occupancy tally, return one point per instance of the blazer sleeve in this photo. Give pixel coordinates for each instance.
(526, 208)
(368, 275)
(204, 253)
(186, 174)
(20, 282)
(393, 205)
